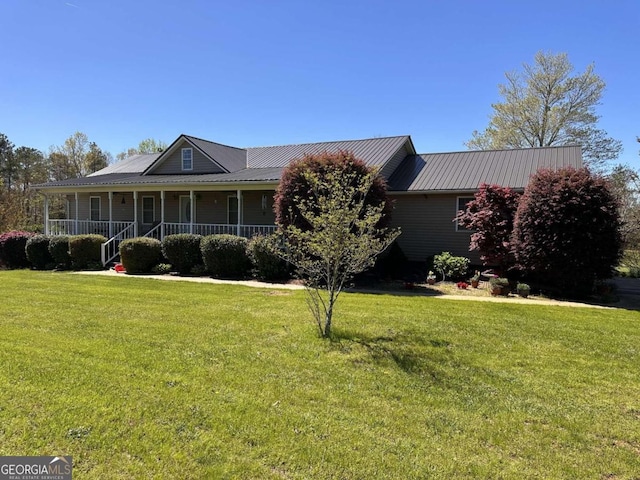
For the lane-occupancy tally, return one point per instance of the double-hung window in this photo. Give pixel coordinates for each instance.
(187, 159)
(148, 209)
(461, 204)
(94, 209)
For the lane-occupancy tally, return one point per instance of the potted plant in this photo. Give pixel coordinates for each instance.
(523, 290)
(431, 278)
(499, 286)
(475, 280)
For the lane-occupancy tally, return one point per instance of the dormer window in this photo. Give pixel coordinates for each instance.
(187, 159)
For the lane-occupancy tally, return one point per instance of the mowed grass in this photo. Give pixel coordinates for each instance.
(141, 378)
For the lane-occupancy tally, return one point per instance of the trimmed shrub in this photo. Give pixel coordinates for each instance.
(182, 251)
(59, 250)
(450, 266)
(567, 230)
(267, 265)
(294, 185)
(161, 269)
(393, 263)
(140, 254)
(37, 250)
(13, 249)
(85, 250)
(225, 256)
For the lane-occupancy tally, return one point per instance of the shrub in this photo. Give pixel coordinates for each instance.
(225, 256)
(450, 266)
(392, 263)
(490, 215)
(161, 269)
(140, 254)
(84, 250)
(13, 249)
(38, 254)
(294, 185)
(182, 251)
(567, 230)
(267, 264)
(59, 250)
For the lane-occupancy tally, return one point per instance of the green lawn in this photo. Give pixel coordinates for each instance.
(142, 378)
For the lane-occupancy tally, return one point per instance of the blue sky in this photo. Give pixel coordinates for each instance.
(253, 73)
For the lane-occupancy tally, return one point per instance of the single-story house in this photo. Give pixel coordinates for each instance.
(204, 187)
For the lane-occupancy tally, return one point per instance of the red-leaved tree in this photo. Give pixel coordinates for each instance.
(490, 215)
(567, 230)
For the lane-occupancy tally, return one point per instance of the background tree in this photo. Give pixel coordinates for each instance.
(490, 215)
(148, 145)
(77, 157)
(625, 185)
(547, 105)
(567, 230)
(330, 230)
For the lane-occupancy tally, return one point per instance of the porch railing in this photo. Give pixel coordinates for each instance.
(81, 227)
(110, 249)
(162, 230)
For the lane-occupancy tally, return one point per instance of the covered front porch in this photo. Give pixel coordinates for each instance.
(122, 215)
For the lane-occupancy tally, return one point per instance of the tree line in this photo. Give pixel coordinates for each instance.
(21, 207)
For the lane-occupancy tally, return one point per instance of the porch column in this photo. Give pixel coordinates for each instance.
(46, 215)
(162, 193)
(192, 205)
(239, 197)
(110, 214)
(76, 223)
(135, 214)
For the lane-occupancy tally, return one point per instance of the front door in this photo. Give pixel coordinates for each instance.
(185, 209)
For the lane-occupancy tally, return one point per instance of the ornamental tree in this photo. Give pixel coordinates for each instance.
(567, 230)
(330, 208)
(490, 215)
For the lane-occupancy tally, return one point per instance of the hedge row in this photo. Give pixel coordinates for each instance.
(222, 256)
(20, 249)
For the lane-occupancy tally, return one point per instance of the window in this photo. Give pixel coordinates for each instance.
(461, 204)
(94, 209)
(148, 209)
(232, 210)
(187, 159)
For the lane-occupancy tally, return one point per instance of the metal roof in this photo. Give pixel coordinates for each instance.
(257, 175)
(231, 159)
(133, 164)
(466, 171)
(375, 152)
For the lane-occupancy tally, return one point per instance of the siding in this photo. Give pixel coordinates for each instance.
(172, 165)
(427, 227)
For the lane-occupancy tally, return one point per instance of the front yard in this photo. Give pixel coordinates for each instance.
(144, 378)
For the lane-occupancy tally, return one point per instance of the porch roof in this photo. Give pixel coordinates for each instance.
(247, 175)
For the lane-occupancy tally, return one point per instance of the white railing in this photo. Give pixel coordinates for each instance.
(81, 227)
(109, 250)
(162, 230)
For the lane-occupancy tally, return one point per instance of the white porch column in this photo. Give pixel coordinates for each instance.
(192, 205)
(162, 194)
(239, 197)
(76, 225)
(46, 215)
(135, 214)
(110, 214)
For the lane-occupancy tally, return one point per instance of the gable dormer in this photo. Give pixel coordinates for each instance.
(191, 155)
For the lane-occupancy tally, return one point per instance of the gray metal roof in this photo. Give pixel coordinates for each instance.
(231, 159)
(257, 175)
(375, 152)
(133, 164)
(466, 171)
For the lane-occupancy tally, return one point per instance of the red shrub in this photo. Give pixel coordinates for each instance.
(13, 249)
(567, 230)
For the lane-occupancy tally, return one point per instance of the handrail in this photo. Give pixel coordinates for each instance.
(109, 249)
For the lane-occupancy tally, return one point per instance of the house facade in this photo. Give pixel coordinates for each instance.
(199, 186)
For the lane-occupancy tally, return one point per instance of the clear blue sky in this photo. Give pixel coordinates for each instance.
(253, 73)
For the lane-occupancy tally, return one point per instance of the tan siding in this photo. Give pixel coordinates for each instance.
(252, 211)
(427, 227)
(172, 165)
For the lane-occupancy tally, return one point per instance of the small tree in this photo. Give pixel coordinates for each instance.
(332, 233)
(567, 230)
(490, 215)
